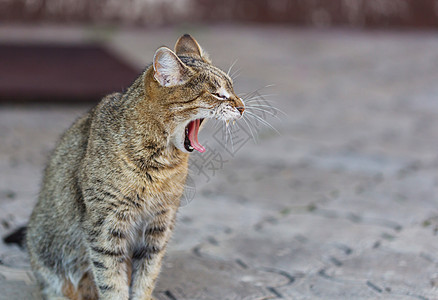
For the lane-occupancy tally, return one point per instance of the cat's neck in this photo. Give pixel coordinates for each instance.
(145, 134)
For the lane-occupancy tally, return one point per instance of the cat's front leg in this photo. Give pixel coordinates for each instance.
(108, 251)
(110, 273)
(147, 257)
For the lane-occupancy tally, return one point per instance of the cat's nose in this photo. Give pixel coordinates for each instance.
(239, 105)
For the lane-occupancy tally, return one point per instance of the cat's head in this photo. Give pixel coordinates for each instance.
(190, 89)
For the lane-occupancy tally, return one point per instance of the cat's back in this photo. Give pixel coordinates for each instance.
(60, 203)
(69, 152)
(57, 202)
(66, 159)
(61, 171)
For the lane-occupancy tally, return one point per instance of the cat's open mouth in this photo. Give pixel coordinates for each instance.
(191, 136)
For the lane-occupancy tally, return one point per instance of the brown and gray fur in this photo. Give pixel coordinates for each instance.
(112, 186)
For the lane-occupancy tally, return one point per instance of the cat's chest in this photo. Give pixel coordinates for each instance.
(158, 184)
(154, 189)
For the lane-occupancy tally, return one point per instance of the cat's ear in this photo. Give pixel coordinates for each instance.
(169, 70)
(188, 45)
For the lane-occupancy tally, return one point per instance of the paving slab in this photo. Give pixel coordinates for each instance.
(214, 279)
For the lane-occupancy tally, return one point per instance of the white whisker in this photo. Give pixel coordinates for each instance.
(259, 97)
(224, 132)
(249, 127)
(260, 101)
(273, 114)
(216, 124)
(250, 94)
(231, 67)
(268, 107)
(231, 138)
(263, 121)
(235, 74)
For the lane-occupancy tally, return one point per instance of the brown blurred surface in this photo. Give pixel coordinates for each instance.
(54, 73)
(316, 13)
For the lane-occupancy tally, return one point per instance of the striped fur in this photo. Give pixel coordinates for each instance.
(111, 189)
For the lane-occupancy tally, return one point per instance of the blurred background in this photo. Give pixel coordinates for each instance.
(326, 190)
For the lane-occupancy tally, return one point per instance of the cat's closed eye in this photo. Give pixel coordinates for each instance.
(220, 96)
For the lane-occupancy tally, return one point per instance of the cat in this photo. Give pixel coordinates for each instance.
(112, 186)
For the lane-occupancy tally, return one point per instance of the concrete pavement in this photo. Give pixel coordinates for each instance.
(340, 204)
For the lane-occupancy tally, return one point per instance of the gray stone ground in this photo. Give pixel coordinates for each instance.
(341, 204)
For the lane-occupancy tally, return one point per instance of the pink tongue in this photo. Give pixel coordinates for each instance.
(193, 135)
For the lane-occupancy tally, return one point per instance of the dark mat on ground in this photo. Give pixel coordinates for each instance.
(60, 73)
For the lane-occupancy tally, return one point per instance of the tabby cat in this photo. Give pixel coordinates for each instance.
(112, 186)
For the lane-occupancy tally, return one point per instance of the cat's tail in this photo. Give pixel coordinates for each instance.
(17, 237)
